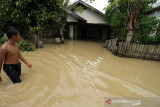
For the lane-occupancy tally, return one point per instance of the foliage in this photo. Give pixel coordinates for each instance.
(3, 40)
(117, 13)
(29, 15)
(149, 40)
(79, 9)
(158, 38)
(25, 46)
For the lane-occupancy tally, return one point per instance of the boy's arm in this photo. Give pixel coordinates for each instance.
(2, 55)
(23, 60)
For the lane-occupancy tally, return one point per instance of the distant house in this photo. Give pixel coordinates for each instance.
(86, 25)
(155, 12)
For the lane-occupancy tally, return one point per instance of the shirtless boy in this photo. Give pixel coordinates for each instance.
(10, 55)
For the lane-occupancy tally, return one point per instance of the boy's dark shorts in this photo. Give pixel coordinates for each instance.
(13, 71)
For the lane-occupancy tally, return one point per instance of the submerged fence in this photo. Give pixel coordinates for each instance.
(141, 51)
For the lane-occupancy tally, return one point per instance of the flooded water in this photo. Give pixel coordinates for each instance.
(79, 74)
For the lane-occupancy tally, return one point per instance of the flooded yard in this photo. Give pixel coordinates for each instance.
(79, 74)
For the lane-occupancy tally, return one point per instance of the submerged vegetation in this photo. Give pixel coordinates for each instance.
(23, 45)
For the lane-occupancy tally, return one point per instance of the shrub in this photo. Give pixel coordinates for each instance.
(158, 38)
(25, 46)
(3, 40)
(150, 40)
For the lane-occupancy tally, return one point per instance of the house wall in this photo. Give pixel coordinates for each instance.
(92, 34)
(71, 18)
(75, 27)
(93, 29)
(71, 31)
(156, 13)
(91, 16)
(105, 34)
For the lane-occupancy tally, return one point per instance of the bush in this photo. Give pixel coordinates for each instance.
(158, 39)
(149, 40)
(152, 40)
(25, 46)
(3, 40)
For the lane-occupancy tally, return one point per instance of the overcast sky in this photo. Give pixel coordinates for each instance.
(98, 4)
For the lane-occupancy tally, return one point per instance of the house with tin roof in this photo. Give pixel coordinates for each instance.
(87, 24)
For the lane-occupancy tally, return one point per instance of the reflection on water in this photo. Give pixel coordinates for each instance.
(79, 74)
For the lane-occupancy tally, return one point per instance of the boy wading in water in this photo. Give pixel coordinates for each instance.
(10, 55)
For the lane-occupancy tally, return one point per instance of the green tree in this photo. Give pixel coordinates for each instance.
(29, 15)
(128, 19)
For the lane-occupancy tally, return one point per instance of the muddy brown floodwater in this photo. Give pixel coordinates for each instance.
(79, 74)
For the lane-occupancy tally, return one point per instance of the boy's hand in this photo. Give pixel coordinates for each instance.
(0, 79)
(29, 65)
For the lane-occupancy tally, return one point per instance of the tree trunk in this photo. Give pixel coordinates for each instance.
(129, 28)
(158, 30)
(137, 10)
(61, 33)
(129, 36)
(132, 21)
(63, 23)
(36, 38)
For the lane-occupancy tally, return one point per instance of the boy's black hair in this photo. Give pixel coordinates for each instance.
(11, 31)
